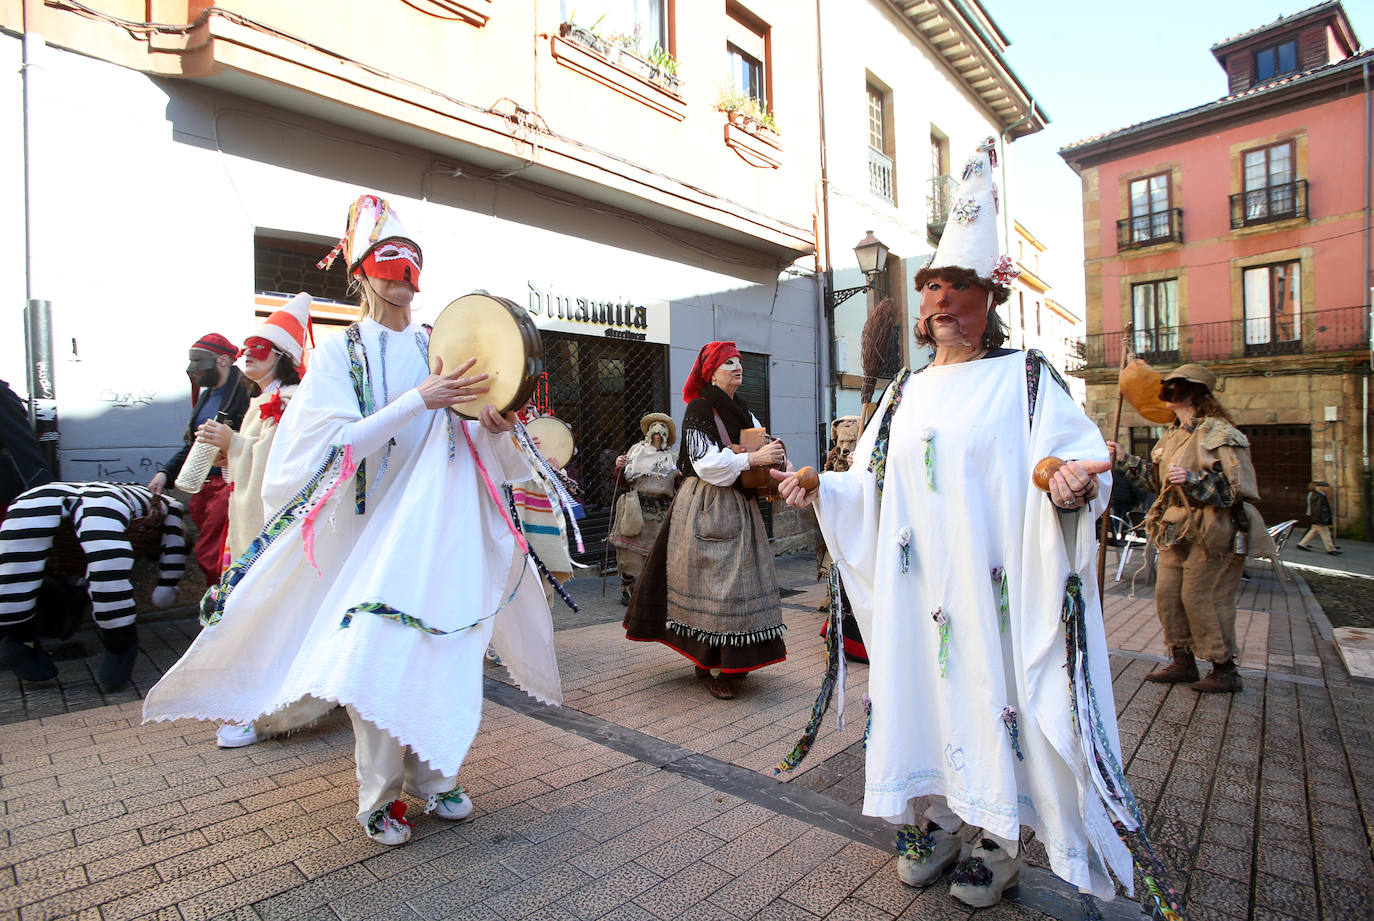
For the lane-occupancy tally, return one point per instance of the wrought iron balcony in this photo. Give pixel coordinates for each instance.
(880, 175)
(1281, 202)
(943, 189)
(1311, 333)
(1150, 229)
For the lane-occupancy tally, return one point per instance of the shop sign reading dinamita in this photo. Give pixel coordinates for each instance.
(612, 319)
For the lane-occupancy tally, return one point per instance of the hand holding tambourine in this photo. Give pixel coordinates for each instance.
(798, 488)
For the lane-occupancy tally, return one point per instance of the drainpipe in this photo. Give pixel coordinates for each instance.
(1006, 194)
(37, 316)
(1369, 321)
(825, 358)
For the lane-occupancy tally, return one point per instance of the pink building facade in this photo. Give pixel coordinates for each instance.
(1237, 234)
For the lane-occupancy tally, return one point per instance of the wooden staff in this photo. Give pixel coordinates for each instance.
(606, 551)
(1116, 436)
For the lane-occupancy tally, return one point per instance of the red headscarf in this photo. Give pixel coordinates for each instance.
(711, 357)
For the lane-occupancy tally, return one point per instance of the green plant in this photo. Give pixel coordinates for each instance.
(663, 60)
(731, 100)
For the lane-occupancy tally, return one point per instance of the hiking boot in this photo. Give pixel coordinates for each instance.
(455, 805)
(1183, 668)
(1224, 679)
(232, 735)
(26, 659)
(387, 824)
(980, 879)
(922, 856)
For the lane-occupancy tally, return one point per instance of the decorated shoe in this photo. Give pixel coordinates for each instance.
(980, 879)
(232, 735)
(387, 824)
(455, 805)
(923, 855)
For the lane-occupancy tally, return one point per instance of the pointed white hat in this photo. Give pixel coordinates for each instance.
(287, 328)
(370, 221)
(970, 237)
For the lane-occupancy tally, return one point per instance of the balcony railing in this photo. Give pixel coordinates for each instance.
(1150, 229)
(943, 189)
(1281, 202)
(880, 175)
(1337, 330)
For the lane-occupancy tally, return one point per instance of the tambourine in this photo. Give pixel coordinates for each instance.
(501, 336)
(555, 439)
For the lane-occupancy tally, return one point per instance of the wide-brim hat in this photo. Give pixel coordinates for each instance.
(288, 327)
(371, 220)
(1195, 373)
(969, 240)
(666, 419)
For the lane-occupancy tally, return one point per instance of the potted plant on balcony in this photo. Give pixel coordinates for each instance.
(745, 112)
(664, 68)
(586, 36)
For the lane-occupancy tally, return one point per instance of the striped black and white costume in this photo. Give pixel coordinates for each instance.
(100, 513)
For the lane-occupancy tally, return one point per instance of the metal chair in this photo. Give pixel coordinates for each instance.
(1280, 533)
(1132, 536)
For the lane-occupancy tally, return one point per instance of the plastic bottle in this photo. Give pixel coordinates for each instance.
(198, 462)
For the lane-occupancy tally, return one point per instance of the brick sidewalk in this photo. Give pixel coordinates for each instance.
(650, 799)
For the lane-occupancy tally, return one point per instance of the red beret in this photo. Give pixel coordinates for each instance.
(711, 357)
(214, 342)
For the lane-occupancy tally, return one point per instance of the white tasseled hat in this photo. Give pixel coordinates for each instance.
(288, 327)
(370, 221)
(970, 237)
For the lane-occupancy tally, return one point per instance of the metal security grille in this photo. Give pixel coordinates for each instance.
(602, 388)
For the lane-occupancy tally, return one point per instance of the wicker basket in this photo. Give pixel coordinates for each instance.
(145, 534)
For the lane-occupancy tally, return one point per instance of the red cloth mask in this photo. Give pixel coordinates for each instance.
(258, 348)
(966, 307)
(394, 260)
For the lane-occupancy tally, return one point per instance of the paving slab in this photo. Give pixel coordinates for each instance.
(644, 797)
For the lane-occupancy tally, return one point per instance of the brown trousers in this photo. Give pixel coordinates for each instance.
(1195, 599)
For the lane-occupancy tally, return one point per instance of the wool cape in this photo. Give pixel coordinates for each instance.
(249, 448)
(958, 492)
(339, 605)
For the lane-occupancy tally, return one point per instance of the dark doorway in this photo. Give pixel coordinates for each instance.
(754, 392)
(602, 388)
(1282, 455)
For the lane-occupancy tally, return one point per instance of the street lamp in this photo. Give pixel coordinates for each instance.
(872, 256)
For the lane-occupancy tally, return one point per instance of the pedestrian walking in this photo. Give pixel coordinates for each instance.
(1319, 518)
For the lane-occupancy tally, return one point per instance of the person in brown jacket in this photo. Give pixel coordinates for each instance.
(1204, 523)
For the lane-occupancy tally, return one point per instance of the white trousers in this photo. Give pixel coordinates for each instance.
(386, 768)
(940, 813)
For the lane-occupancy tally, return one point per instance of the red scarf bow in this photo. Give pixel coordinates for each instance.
(273, 407)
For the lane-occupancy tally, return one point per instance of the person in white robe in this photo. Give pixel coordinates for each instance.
(970, 585)
(273, 360)
(389, 563)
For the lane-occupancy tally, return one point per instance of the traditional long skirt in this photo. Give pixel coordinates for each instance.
(709, 589)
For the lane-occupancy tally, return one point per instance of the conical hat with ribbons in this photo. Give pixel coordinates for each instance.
(370, 221)
(970, 237)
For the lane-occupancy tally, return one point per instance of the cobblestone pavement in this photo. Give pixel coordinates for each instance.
(645, 798)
